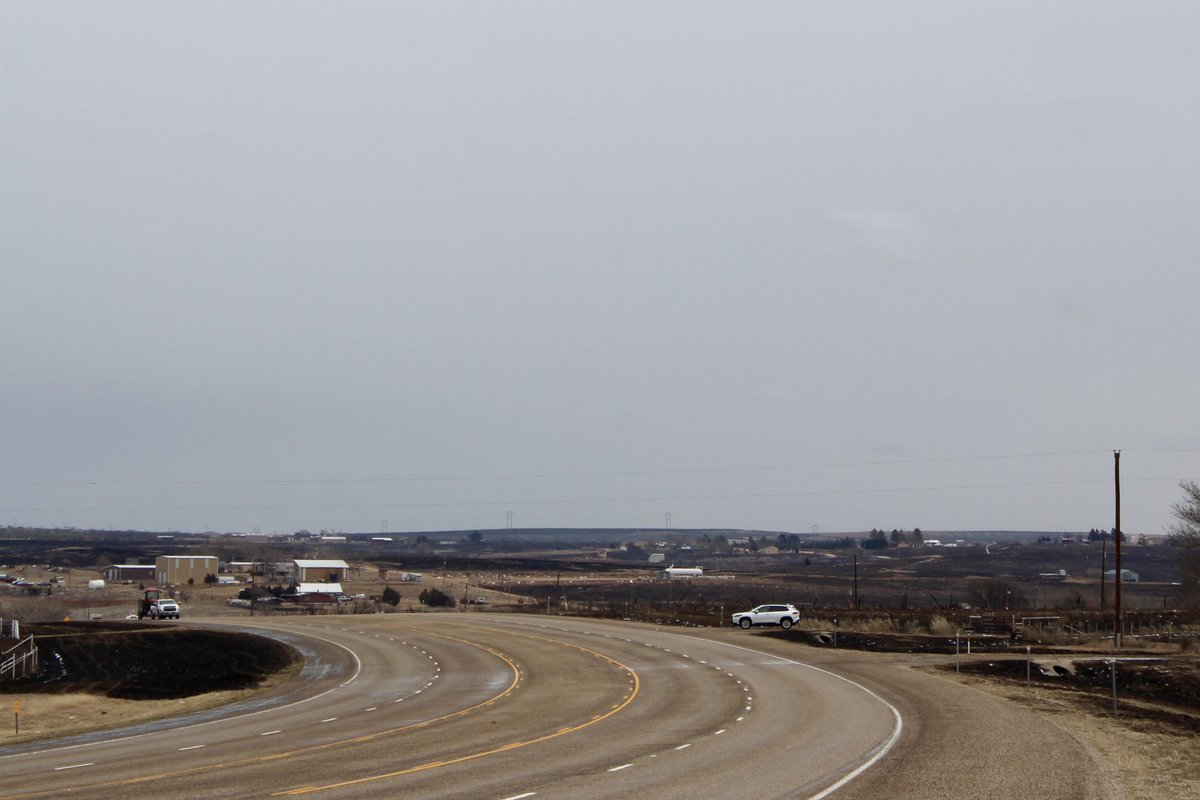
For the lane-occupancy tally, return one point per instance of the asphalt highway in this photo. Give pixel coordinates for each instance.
(507, 707)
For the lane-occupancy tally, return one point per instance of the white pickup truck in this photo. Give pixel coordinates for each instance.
(164, 608)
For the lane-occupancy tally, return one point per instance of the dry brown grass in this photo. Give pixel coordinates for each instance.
(1144, 759)
(48, 716)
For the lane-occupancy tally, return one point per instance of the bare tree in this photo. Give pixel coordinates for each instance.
(1185, 534)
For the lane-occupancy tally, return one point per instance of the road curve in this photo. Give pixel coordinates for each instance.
(510, 706)
(459, 706)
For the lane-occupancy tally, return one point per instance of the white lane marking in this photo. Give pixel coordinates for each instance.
(897, 727)
(521, 796)
(718, 733)
(623, 766)
(75, 766)
(271, 733)
(193, 747)
(372, 708)
(683, 746)
(331, 719)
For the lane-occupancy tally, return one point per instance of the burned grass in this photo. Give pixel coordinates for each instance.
(1164, 691)
(145, 662)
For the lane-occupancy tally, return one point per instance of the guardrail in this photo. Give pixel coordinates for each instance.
(19, 660)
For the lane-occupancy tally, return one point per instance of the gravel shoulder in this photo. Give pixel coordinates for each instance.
(1147, 751)
(974, 736)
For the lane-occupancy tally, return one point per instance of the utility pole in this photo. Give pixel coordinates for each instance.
(1117, 539)
(856, 580)
(1103, 569)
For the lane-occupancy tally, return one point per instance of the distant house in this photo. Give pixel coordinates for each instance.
(315, 593)
(129, 573)
(310, 570)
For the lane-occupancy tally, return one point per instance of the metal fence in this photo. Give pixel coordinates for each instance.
(19, 660)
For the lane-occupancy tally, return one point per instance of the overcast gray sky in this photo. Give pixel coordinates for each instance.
(771, 265)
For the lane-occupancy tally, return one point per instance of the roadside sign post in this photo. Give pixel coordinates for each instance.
(1028, 666)
(957, 655)
(17, 717)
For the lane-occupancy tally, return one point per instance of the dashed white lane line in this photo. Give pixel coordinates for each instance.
(271, 733)
(331, 719)
(75, 766)
(372, 708)
(623, 766)
(683, 746)
(193, 747)
(521, 796)
(718, 733)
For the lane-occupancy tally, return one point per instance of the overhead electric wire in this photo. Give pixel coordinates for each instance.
(575, 501)
(550, 475)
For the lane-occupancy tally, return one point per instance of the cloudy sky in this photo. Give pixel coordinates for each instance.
(414, 266)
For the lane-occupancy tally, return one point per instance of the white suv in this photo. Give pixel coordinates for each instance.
(785, 616)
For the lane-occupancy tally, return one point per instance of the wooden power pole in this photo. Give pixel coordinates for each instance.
(1117, 540)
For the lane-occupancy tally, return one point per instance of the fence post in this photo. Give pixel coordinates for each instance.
(1114, 685)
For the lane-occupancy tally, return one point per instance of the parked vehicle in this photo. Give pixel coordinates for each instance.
(785, 616)
(154, 606)
(164, 608)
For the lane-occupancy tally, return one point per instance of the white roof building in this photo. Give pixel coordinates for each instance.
(319, 588)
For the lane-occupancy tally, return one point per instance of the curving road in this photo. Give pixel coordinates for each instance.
(505, 707)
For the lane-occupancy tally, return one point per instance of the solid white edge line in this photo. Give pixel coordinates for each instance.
(897, 727)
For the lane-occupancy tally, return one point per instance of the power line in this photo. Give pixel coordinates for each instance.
(550, 475)
(576, 501)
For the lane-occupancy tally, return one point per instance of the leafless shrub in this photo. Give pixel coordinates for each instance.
(31, 610)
